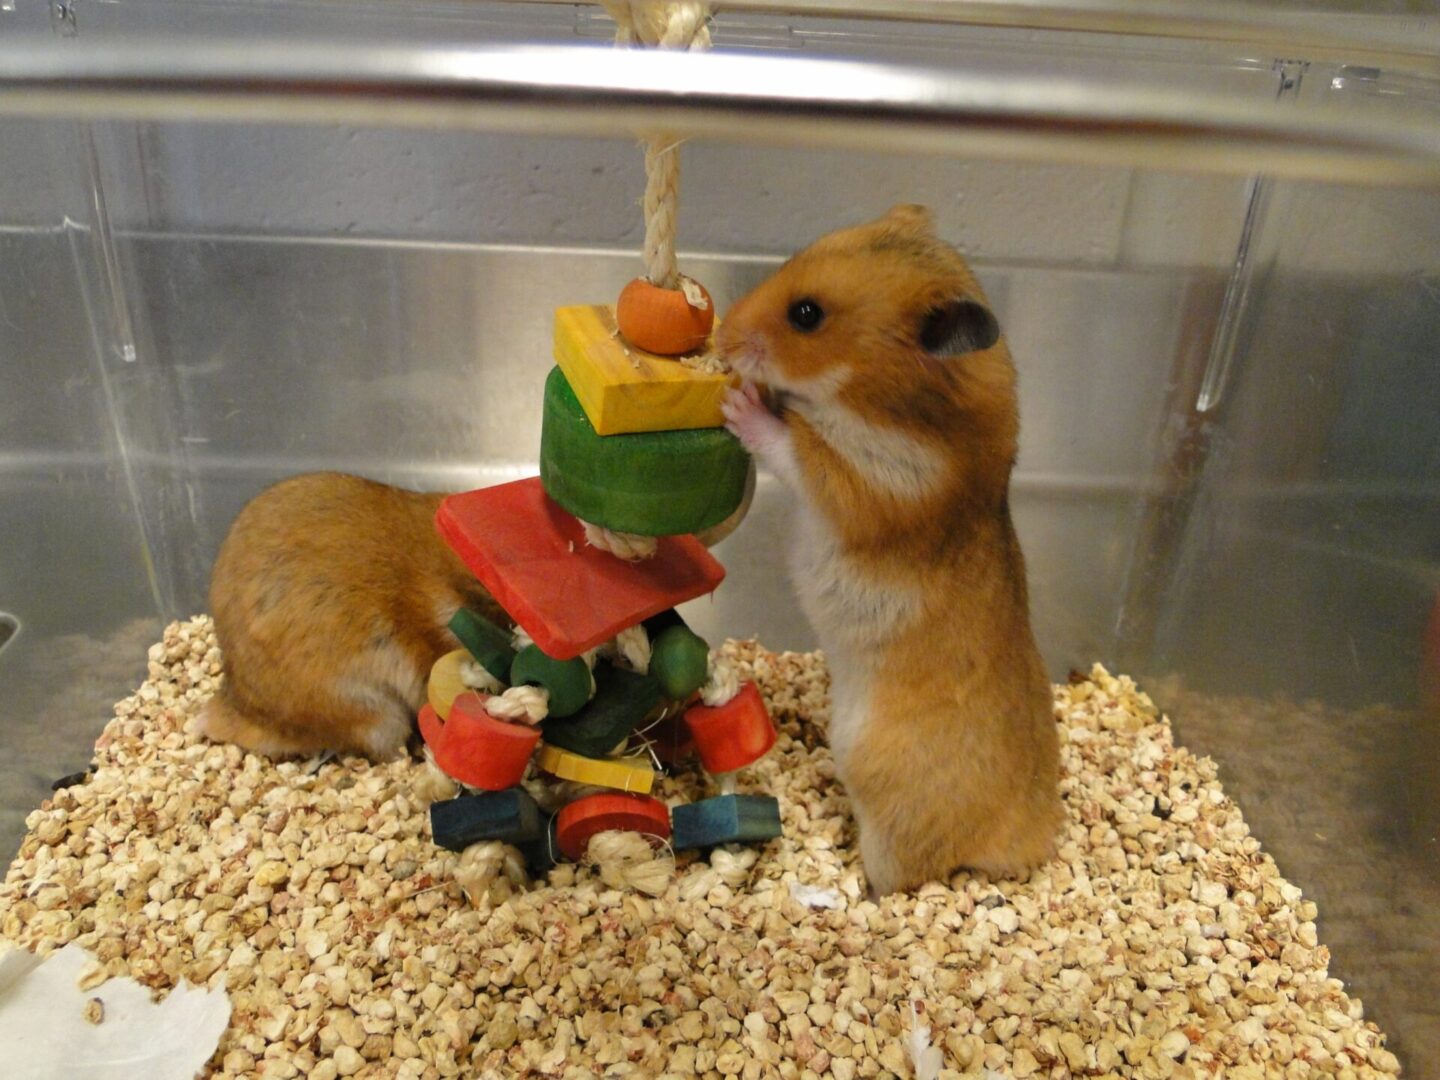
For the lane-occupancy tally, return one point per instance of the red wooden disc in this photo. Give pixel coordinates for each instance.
(732, 735)
(578, 821)
(474, 747)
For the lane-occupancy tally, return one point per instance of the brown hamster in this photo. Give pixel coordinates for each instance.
(896, 423)
(331, 597)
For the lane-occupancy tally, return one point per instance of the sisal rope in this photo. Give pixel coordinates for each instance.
(628, 546)
(662, 24)
(527, 704)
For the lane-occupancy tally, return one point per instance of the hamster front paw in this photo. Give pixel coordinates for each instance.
(759, 430)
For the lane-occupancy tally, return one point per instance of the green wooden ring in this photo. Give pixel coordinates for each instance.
(659, 483)
(568, 681)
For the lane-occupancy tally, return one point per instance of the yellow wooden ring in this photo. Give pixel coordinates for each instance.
(445, 682)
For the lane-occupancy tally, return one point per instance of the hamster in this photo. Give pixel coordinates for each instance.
(331, 597)
(893, 416)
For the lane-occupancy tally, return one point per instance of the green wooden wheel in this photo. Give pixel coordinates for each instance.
(660, 483)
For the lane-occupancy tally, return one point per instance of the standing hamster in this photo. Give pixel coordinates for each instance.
(895, 420)
(331, 596)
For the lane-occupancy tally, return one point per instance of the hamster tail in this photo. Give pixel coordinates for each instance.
(221, 721)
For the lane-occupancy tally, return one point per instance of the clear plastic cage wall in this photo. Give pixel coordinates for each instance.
(244, 240)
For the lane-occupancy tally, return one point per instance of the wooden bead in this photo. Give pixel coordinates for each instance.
(568, 596)
(725, 819)
(622, 700)
(486, 642)
(680, 659)
(661, 483)
(510, 816)
(568, 681)
(580, 820)
(732, 735)
(663, 321)
(474, 747)
(622, 774)
(627, 389)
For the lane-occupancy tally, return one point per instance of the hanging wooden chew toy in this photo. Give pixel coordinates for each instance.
(590, 559)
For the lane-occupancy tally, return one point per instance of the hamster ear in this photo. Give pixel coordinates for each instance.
(910, 217)
(958, 327)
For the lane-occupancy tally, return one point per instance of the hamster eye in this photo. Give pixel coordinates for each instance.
(805, 315)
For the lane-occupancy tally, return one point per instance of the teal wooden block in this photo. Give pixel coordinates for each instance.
(622, 699)
(725, 819)
(542, 853)
(510, 815)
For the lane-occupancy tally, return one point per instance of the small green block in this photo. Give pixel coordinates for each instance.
(725, 819)
(568, 681)
(622, 700)
(680, 659)
(486, 642)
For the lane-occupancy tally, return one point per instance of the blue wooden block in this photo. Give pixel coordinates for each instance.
(725, 819)
(542, 853)
(510, 815)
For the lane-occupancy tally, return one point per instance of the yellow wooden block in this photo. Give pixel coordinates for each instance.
(445, 682)
(624, 389)
(622, 774)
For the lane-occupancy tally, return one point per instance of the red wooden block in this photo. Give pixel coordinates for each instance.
(578, 821)
(670, 740)
(474, 747)
(568, 596)
(732, 735)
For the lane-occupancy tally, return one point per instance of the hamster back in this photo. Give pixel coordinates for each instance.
(331, 596)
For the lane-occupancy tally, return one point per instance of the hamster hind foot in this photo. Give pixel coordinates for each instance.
(379, 734)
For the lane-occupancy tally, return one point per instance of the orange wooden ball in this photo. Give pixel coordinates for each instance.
(662, 320)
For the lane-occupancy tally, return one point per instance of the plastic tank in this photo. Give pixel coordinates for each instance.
(1212, 234)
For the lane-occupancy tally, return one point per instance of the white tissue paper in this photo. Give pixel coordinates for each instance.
(815, 896)
(47, 1035)
(926, 1058)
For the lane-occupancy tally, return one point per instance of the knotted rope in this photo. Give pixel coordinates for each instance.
(662, 24)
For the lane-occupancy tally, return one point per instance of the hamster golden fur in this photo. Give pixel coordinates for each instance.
(331, 595)
(895, 420)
